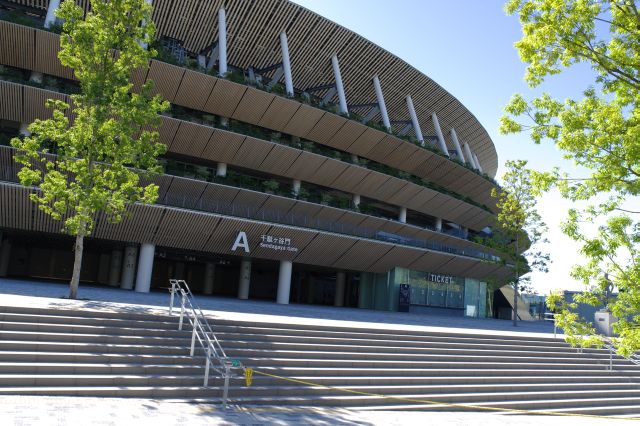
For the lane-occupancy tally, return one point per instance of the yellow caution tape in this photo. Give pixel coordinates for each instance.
(248, 376)
(428, 402)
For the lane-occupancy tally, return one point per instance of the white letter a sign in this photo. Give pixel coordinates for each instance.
(241, 242)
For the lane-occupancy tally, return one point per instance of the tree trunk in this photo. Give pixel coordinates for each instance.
(515, 290)
(77, 266)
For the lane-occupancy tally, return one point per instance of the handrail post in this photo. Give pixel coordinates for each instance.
(225, 392)
(181, 312)
(193, 335)
(610, 357)
(206, 368)
(173, 292)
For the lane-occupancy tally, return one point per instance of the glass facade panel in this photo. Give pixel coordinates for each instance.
(475, 298)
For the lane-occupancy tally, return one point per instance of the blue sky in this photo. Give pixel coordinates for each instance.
(467, 47)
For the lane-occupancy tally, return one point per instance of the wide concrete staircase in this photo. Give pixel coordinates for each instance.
(128, 354)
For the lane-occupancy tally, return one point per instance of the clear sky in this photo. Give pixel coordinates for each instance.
(467, 47)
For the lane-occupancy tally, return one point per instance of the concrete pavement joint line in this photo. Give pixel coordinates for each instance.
(447, 404)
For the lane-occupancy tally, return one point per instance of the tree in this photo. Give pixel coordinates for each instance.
(102, 152)
(518, 228)
(600, 132)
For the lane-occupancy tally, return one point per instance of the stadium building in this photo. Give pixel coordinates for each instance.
(305, 164)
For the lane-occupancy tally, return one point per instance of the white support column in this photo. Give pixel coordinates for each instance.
(24, 130)
(339, 86)
(221, 169)
(402, 216)
(438, 224)
(245, 279)
(414, 120)
(222, 43)
(115, 267)
(5, 256)
(51, 13)
(381, 104)
(456, 143)
(436, 125)
(36, 77)
(341, 279)
(469, 156)
(475, 160)
(286, 64)
(128, 267)
(284, 282)
(356, 200)
(209, 277)
(296, 187)
(145, 267)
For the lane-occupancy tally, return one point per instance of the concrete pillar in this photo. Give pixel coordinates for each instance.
(456, 143)
(145, 267)
(296, 187)
(438, 224)
(245, 279)
(468, 156)
(284, 282)
(402, 216)
(286, 64)
(414, 120)
(475, 160)
(381, 104)
(209, 277)
(356, 200)
(221, 169)
(5, 256)
(465, 232)
(222, 43)
(115, 268)
(436, 125)
(24, 129)
(50, 19)
(354, 159)
(128, 267)
(341, 280)
(339, 86)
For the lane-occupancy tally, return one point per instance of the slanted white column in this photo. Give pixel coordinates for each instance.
(414, 120)
(51, 13)
(339, 86)
(469, 156)
(456, 143)
(381, 104)
(36, 77)
(284, 282)
(115, 267)
(341, 279)
(296, 187)
(356, 200)
(475, 160)
(221, 169)
(402, 216)
(145, 267)
(5, 256)
(436, 125)
(128, 267)
(24, 129)
(209, 277)
(438, 224)
(245, 279)
(222, 43)
(286, 64)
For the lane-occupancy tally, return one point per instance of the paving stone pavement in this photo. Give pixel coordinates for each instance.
(62, 411)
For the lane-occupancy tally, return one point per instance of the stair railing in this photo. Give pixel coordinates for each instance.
(633, 358)
(216, 358)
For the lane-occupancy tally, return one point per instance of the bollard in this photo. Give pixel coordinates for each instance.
(225, 392)
(173, 292)
(193, 336)
(206, 368)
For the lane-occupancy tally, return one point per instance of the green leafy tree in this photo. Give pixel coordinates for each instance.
(600, 132)
(101, 153)
(518, 228)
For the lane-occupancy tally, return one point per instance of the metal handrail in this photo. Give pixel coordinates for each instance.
(216, 358)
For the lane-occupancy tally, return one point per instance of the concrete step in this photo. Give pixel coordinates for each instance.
(121, 330)
(91, 347)
(121, 312)
(107, 358)
(167, 323)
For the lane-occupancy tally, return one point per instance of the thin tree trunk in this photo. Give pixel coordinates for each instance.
(77, 266)
(515, 290)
